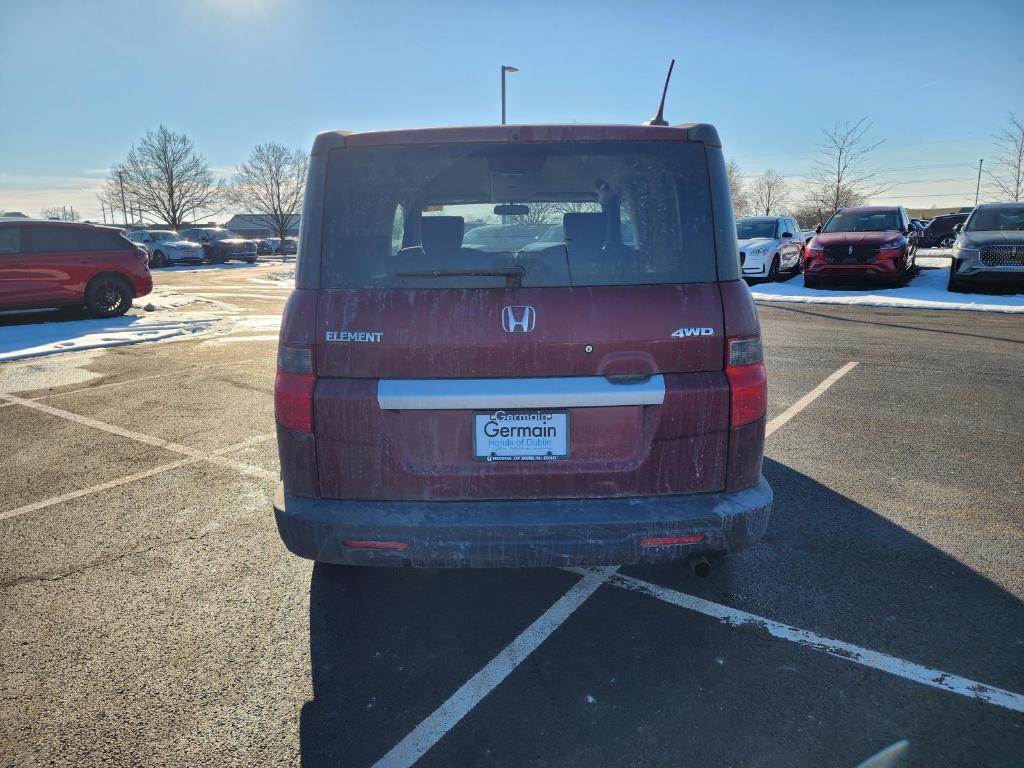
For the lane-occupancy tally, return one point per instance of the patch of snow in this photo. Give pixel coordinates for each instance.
(259, 322)
(48, 338)
(926, 291)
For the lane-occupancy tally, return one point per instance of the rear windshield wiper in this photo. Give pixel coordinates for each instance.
(513, 275)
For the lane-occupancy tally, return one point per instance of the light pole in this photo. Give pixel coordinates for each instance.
(977, 189)
(504, 69)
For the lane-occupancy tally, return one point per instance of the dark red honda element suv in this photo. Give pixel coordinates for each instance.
(586, 389)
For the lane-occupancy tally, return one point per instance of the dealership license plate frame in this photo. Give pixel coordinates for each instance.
(493, 457)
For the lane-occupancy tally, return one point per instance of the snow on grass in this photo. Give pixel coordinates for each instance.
(926, 291)
(48, 338)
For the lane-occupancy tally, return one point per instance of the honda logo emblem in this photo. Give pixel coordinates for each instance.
(518, 319)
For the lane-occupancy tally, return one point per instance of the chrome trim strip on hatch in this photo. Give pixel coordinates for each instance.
(485, 394)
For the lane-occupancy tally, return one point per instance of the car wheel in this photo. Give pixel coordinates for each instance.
(108, 296)
(955, 284)
(947, 241)
(159, 260)
(811, 282)
(250, 261)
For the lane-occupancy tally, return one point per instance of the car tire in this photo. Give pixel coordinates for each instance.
(947, 241)
(955, 284)
(773, 271)
(108, 296)
(159, 260)
(811, 282)
(250, 261)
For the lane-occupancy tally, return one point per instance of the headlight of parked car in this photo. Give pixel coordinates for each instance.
(895, 245)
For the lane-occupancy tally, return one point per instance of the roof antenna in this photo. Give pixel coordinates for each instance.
(659, 119)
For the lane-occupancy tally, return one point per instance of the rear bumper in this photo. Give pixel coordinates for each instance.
(562, 532)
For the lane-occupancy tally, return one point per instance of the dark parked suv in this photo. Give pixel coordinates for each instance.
(872, 243)
(941, 232)
(220, 245)
(601, 400)
(990, 249)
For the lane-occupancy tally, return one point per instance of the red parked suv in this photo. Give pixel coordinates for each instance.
(873, 243)
(596, 398)
(59, 264)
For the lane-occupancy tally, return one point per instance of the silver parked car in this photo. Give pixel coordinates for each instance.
(166, 247)
(989, 248)
(769, 246)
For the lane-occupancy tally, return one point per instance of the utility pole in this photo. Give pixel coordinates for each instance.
(504, 69)
(124, 203)
(977, 189)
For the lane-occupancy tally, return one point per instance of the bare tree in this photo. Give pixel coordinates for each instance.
(1007, 180)
(769, 193)
(841, 177)
(163, 179)
(60, 213)
(540, 213)
(737, 188)
(269, 186)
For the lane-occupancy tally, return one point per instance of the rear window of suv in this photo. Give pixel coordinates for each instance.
(482, 215)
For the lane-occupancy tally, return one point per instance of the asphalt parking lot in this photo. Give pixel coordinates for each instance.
(151, 615)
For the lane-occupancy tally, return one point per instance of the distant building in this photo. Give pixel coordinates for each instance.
(14, 215)
(253, 225)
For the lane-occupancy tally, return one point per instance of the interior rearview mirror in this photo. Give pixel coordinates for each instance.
(511, 209)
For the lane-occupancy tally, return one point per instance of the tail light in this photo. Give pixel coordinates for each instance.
(293, 388)
(748, 383)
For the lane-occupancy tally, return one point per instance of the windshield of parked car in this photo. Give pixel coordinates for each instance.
(863, 221)
(997, 219)
(461, 215)
(161, 235)
(750, 228)
(222, 234)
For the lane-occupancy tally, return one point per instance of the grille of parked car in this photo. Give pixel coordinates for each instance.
(1003, 255)
(846, 254)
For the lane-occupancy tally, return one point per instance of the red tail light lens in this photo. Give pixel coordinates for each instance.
(293, 388)
(748, 382)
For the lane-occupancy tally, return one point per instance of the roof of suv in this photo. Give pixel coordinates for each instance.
(700, 132)
(867, 208)
(998, 205)
(55, 223)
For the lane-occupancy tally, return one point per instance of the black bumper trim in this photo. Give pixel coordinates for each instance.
(556, 532)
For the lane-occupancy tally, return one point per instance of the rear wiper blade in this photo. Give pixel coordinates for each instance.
(513, 275)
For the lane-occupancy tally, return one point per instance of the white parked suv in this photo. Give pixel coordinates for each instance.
(166, 247)
(769, 246)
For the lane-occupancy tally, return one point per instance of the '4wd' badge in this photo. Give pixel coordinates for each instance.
(682, 333)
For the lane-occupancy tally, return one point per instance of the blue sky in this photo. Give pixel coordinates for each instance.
(82, 80)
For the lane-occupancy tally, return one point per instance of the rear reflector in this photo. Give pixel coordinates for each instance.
(748, 382)
(666, 540)
(293, 400)
(358, 544)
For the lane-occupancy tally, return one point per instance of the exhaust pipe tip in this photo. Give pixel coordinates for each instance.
(700, 566)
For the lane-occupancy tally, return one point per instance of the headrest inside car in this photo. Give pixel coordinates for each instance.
(585, 230)
(442, 233)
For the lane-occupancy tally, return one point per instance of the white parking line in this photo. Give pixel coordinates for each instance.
(443, 719)
(157, 442)
(807, 399)
(38, 505)
(892, 665)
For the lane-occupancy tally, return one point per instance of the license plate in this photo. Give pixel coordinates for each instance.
(521, 435)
